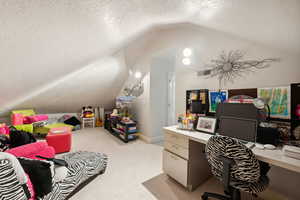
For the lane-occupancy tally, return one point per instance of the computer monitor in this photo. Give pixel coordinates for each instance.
(237, 110)
(239, 128)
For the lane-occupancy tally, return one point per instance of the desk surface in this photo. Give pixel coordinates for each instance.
(273, 157)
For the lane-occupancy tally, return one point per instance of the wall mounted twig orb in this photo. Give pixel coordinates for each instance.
(229, 66)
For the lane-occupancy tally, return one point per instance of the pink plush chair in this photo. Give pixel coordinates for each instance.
(60, 139)
(32, 150)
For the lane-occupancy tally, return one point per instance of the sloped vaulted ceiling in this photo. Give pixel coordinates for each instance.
(57, 55)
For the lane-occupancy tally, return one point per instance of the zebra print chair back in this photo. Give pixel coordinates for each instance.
(245, 168)
(236, 166)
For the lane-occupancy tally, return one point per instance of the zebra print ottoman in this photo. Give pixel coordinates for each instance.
(82, 166)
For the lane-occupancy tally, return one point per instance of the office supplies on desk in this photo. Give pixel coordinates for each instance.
(269, 146)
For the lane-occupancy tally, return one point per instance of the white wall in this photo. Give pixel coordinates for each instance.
(71, 91)
(160, 67)
(141, 109)
(207, 44)
(150, 109)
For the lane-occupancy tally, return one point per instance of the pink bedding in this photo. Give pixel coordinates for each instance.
(32, 150)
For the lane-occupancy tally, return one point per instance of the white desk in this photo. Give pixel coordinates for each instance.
(175, 148)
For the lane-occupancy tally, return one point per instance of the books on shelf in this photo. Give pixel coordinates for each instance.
(132, 128)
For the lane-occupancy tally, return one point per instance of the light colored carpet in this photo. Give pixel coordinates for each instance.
(134, 171)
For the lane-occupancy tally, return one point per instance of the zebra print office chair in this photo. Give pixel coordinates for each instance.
(236, 166)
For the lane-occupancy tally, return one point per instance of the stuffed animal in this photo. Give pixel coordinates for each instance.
(114, 113)
(87, 112)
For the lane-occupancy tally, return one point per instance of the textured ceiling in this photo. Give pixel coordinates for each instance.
(43, 42)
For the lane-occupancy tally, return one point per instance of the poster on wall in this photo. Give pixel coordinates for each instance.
(216, 97)
(278, 100)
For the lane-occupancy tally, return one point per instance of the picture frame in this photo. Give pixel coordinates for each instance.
(206, 124)
(216, 97)
(278, 99)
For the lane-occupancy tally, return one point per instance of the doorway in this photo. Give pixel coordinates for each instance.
(171, 99)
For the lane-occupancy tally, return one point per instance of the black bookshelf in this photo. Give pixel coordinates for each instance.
(122, 130)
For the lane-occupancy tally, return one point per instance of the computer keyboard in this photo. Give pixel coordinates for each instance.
(250, 145)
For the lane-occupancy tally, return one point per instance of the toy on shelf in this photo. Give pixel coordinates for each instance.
(87, 112)
(127, 120)
(115, 113)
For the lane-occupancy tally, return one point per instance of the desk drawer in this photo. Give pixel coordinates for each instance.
(177, 149)
(174, 138)
(175, 167)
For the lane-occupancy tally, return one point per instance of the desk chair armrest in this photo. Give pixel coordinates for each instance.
(226, 173)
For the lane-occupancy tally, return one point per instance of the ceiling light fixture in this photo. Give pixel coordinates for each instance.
(138, 75)
(187, 52)
(186, 61)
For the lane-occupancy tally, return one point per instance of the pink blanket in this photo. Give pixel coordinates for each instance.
(32, 150)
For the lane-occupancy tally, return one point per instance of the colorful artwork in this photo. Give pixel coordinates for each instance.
(216, 97)
(278, 99)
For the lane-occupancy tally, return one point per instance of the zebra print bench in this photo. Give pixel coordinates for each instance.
(82, 166)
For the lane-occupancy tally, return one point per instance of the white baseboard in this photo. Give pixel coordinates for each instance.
(155, 139)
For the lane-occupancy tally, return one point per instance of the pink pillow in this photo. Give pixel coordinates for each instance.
(26, 120)
(35, 118)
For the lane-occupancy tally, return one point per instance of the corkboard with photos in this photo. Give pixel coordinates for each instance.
(284, 102)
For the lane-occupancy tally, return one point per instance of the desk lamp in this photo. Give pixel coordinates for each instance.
(261, 104)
